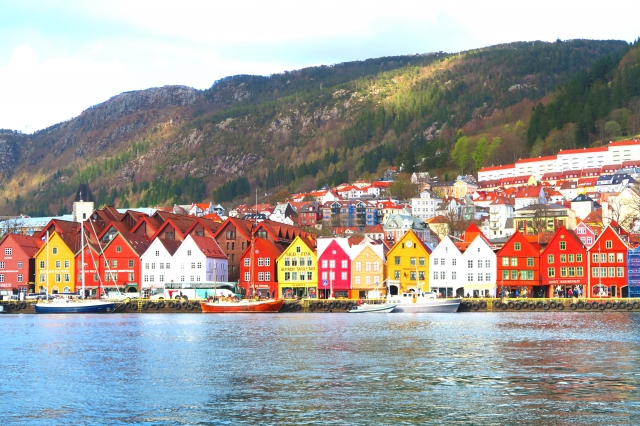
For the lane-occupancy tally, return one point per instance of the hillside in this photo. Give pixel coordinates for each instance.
(299, 129)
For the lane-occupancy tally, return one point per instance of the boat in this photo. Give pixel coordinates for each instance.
(423, 302)
(241, 306)
(74, 306)
(373, 307)
(69, 304)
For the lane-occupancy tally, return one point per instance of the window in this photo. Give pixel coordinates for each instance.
(517, 246)
(267, 261)
(54, 250)
(505, 261)
(58, 263)
(479, 263)
(168, 265)
(199, 265)
(487, 264)
(19, 278)
(67, 278)
(609, 244)
(368, 266)
(344, 276)
(603, 257)
(20, 264)
(345, 264)
(470, 264)
(421, 261)
(612, 272)
(358, 266)
(332, 263)
(514, 261)
(396, 260)
(412, 261)
(357, 280)
(41, 278)
(260, 261)
(435, 275)
(551, 272)
(563, 245)
(589, 240)
(294, 276)
(58, 278)
(376, 266)
(188, 252)
(578, 258)
(454, 275)
(563, 258)
(579, 271)
(1, 265)
(1, 278)
(529, 261)
(267, 276)
(287, 261)
(487, 276)
(612, 257)
(247, 276)
(620, 272)
(42, 264)
(260, 276)
(514, 275)
(247, 261)
(505, 275)
(479, 277)
(114, 264)
(550, 258)
(298, 249)
(470, 277)
(8, 251)
(396, 275)
(119, 249)
(570, 258)
(572, 271)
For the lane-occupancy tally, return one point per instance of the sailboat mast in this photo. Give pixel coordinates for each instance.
(82, 243)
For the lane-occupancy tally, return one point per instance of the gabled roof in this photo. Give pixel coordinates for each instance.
(209, 247)
(170, 245)
(60, 226)
(242, 226)
(30, 245)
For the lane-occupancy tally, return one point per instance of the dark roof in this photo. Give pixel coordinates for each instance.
(84, 193)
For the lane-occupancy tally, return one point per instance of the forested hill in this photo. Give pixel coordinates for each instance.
(297, 130)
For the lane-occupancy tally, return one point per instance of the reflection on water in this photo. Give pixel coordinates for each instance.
(532, 368)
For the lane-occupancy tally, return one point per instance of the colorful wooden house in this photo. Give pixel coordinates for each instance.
(258, 268)
(334, 267)
(518, 267)
(55, 263)
(120, 261)
(367, 269)
(17, 266)
(297, 270)
(608, 265)
(233, 237)
(564, 265)
(408, 265)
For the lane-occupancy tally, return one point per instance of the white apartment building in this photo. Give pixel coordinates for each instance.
(425, 206)
(536, 167)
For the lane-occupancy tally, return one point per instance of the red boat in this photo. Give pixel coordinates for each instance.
(243, 306)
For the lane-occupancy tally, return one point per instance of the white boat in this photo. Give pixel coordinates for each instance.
(423, 302)
(372, 307)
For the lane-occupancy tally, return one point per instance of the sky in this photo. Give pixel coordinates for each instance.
(59, 57)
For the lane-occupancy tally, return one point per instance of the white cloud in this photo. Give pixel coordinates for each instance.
(40, 93)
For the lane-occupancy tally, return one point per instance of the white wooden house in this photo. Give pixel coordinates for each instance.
(478, 271)
(199, 259)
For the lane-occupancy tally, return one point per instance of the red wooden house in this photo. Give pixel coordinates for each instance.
(564, 265)
(608, 265)
(519, 267)
(334, 268)
(258, 272)
(17, 266)
(233, 237)
(310, 215)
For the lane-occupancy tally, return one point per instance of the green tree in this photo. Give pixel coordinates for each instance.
(402, 188)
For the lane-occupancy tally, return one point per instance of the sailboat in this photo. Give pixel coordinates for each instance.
(75, 306)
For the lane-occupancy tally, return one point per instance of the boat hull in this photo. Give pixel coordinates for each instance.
(74, 308)
(263, 306)
(429, 306)
(363, 309)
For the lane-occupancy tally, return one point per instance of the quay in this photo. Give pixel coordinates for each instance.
(343, 305)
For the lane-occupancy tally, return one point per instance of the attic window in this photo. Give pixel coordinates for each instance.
(298, 249)
(118, 249)
(516, 246)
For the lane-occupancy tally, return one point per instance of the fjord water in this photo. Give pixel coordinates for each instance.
(164, 369)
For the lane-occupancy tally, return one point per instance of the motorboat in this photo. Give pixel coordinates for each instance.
(232, 306)
(372, 307)
(423, 302)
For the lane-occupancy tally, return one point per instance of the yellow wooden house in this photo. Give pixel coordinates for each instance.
(408, 265)
(298, 270)
(367, 270)
(55, 266)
